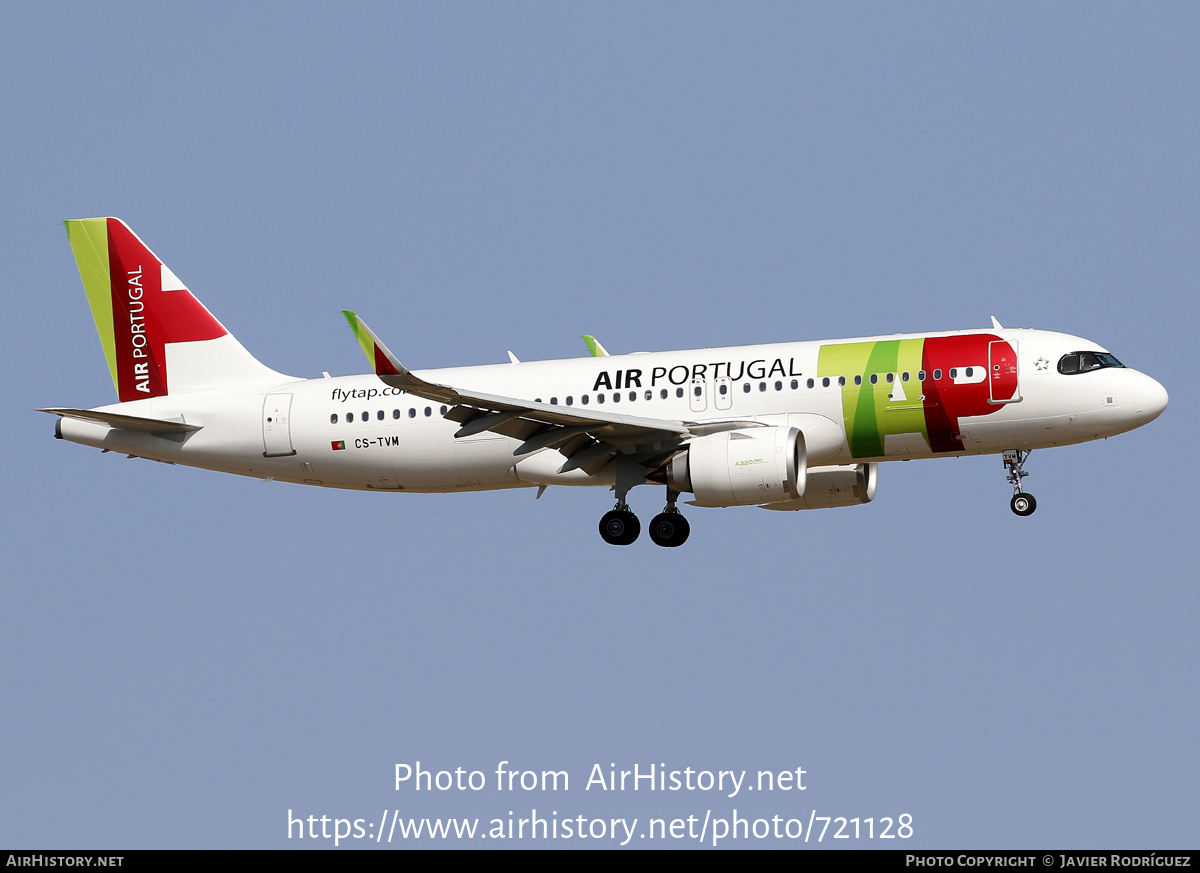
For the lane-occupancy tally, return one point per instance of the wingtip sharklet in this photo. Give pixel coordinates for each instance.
(594, 347)
(378, 355)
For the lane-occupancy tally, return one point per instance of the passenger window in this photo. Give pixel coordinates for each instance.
(443, 410)
(599, 398)
(970, 372)
(874, 378)
(811, 383)
(428, 411)
(379, 415)
(937, 375)
(920, 375)
(663, 394)
(825, 382)
(697, 390)
(678, 392)
(570, 400)
(762, 386)
(366, 416)
(554, 401)
(349, 417)
(795, 384)
(954, 372)
(779, 386)
(395, 413)
(633, 395)
(333, 418)
(649, 394)
(412, 413)
(841, 380)
(746, 388)
(904, 376)
(891, 377)
(858, 380)
(616, 397)
(724, 389)
(584, 400)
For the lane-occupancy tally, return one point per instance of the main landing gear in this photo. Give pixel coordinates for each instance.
(620, 527)
(669, 528)
(1014, 461)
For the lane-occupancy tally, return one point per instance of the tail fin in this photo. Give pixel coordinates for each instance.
(157, 337)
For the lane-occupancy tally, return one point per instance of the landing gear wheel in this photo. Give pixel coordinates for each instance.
(669, 529)
(619, 527)
(1023, 504)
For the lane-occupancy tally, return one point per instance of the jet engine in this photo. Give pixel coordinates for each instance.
(830, 487)
(741, 467)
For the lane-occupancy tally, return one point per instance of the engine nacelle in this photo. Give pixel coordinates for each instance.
(830, 487)
(741, 467)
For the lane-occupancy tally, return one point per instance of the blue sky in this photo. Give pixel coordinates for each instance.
(185, 656)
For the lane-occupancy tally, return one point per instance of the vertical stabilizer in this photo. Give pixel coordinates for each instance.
(157, 337)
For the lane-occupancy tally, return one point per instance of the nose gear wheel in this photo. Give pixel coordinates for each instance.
(1023, 504)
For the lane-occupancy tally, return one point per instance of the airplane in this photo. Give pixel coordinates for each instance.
(783, 426)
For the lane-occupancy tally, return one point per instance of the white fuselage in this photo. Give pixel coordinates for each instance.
(357, 432)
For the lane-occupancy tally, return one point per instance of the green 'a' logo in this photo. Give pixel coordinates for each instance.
(871, 411)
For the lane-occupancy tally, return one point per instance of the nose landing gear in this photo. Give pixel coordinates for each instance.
(1014, 462)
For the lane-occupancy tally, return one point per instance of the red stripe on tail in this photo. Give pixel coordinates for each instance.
(146, 318)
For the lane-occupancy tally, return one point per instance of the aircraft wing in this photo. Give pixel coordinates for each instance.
(588, 439)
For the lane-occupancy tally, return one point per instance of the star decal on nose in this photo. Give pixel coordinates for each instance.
(1041, 363)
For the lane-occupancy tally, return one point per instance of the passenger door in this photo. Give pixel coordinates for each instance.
(277, 426)
(1003, 385)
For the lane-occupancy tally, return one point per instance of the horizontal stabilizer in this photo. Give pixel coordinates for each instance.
(125, 422)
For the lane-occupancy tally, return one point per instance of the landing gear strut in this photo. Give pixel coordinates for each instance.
(669, 528)
(619, 526)
(1014, 461)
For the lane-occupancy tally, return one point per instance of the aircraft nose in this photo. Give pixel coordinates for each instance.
(1151, 399)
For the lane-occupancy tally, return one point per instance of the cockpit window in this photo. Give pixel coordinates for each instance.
(1083, 362)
